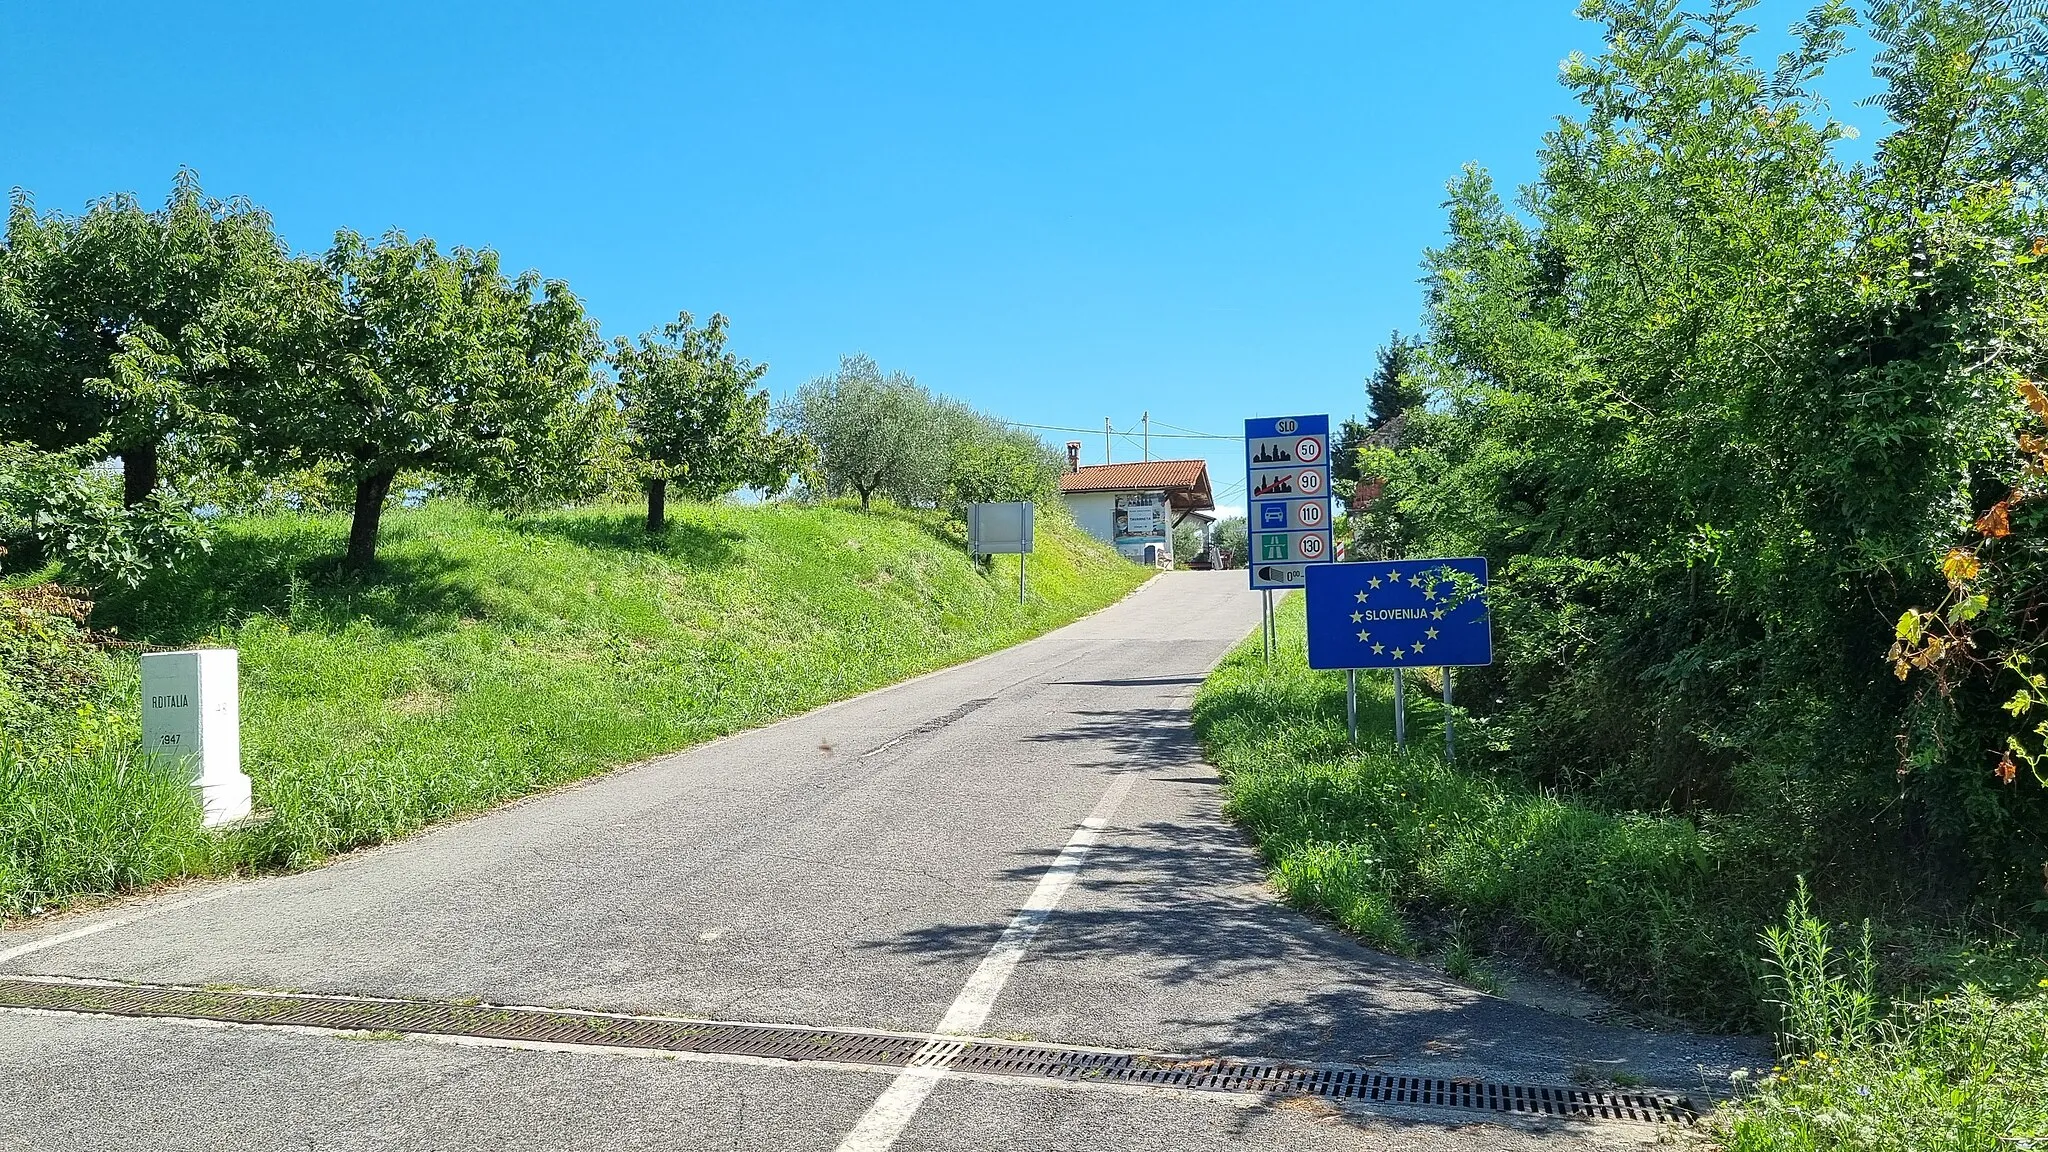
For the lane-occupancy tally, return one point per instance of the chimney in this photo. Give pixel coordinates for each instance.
(1073, 455)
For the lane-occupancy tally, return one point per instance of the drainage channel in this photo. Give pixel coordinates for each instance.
(882, 1050)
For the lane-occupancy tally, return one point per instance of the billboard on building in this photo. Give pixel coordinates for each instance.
(1141, 521)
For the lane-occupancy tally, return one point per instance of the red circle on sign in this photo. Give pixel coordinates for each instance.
(1309, 482)
(1310, 514)
(1311, 547)
(1308, 450)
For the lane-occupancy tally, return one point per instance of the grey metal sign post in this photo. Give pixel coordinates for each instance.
(1400, 712)
(1266, 628)
(1450, 743)
(1002, 527)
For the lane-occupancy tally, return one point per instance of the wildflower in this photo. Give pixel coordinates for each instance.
(2006, 771)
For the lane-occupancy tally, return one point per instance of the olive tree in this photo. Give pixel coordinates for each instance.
(874, 433)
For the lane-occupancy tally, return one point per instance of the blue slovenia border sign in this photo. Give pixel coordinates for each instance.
(1399, 614)
(1287, 499)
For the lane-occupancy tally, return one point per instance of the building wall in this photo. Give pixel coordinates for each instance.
(1094, 512)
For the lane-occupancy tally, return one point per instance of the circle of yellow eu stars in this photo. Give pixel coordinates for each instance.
(1418, 580)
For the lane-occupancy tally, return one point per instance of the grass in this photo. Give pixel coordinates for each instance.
(487, 658)
(97, 822)
(1414, 854)
(1417, 855)
(1389, 845)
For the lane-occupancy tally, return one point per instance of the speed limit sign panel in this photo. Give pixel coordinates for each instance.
(1287, 486)
(1290, 515)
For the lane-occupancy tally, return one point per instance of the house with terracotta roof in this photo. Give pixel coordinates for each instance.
(1135, 507)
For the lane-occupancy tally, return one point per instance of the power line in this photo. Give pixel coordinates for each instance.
(1183, 435)
(1191, 432)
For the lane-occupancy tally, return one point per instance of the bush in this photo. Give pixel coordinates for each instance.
(55, 507)
(1754, 437)
(56, 684)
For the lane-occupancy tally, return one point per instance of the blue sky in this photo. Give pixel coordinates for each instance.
(1058, 212)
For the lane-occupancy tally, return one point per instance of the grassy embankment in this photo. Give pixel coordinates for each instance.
(489, 658)
(1416, 855)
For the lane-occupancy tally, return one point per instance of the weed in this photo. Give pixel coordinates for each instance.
(1819, 1008)
(1658, 911)
(98, 821)
(1964, 1071)
(1462, 963)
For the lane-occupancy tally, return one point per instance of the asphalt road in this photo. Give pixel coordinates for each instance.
(852, 867)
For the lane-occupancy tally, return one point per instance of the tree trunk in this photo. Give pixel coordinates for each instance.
(657, 504)
(864, 499)
(140, 470)
(362, 530)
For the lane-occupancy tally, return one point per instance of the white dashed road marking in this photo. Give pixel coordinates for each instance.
(886, 1119)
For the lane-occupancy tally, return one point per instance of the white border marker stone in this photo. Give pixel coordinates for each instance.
(192, 712)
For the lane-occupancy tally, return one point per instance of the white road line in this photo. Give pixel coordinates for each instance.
(102, 926)
(889, 1115)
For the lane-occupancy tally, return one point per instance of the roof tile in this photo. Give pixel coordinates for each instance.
(1188, 474)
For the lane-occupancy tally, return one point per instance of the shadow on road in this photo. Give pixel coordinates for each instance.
(1171, 938)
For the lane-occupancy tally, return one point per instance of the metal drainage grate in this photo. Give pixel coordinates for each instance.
(841, 1046)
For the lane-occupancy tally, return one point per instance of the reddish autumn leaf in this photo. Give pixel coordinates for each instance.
(2036, 399)
(1998, 521)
